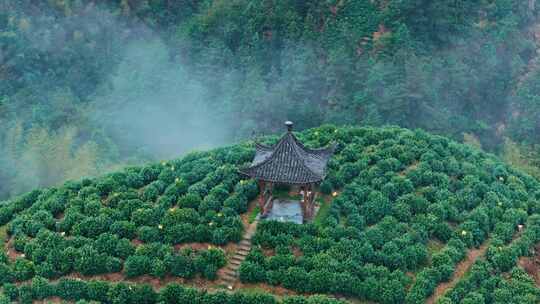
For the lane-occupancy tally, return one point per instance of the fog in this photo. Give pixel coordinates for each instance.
(155, 107)
(142, 106)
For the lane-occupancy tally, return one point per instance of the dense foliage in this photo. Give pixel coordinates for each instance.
(401, 193)
(496, 279)
(91, 80)
(409, 207)
(122, 293)
(96, 226)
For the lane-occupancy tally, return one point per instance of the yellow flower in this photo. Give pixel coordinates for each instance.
(160, 226)
(220, 214)
(463, 232)
(177, 180)
(334, 194)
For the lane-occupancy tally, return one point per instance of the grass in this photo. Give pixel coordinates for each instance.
(284, 194)
(3, 234)
(323, 211)
(434, 246)
(253, 214)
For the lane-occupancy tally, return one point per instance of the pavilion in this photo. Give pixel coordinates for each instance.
(289, 162)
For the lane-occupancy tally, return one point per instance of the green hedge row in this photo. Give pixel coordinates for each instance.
(123, 293)
(398, 190)
(485, 282)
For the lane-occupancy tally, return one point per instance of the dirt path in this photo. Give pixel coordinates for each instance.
(459, 272)
(532, 265)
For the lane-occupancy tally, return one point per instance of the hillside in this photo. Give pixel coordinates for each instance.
(104, 83)
(408, 209)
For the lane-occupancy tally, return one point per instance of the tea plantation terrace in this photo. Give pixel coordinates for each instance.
(400, 214)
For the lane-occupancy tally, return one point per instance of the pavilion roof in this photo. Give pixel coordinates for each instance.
(289, 161)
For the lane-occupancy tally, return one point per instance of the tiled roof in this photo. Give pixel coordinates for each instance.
(289, 161)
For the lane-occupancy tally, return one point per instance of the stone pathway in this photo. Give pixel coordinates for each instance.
(228, 276)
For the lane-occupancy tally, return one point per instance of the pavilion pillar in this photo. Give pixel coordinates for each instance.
(308, 211)
(303, 200)
(262, 195)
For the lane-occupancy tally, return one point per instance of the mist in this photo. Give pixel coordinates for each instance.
(88, 87)
(142, 107)
(155, 107)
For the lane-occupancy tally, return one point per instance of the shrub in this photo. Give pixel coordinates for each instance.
(219, 236)
(248, 188)
(209, 261)
(203, 233)
(92, 227)
(150, 193)
(145, 217)
(442, 231)
(181, 266)
(136, 265)
(143, 294)
(41, 288)
(124, 229)
(72, 289)
(106, 243)
(251, 273)
(23, 269)
(98, 290)
(90, 262)
(6, 274)
(189, 200)
(238, 203)
(326, 187)
(11, 291)
(296, 278)
(179, 233)
(149, 234)
(159, 269)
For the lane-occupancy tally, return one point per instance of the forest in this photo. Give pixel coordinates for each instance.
(125, 126)
(89, 86)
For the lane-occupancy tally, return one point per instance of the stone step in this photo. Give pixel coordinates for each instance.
(245, 243)
(243, 248)
(228, 278)
(230, 272)
(226, 283)
(234, 266)
(239, 258)
(242, 253)
(235, 262)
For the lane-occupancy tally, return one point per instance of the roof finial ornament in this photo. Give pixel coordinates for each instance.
(289, 125)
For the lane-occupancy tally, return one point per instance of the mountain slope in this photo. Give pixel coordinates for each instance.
(408, 207)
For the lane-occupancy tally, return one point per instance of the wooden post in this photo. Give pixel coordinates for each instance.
(309, 201)
(262, 195)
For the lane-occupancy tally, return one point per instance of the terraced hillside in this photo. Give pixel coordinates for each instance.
(407, 208)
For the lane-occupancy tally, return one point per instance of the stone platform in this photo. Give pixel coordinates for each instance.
(285, 210)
